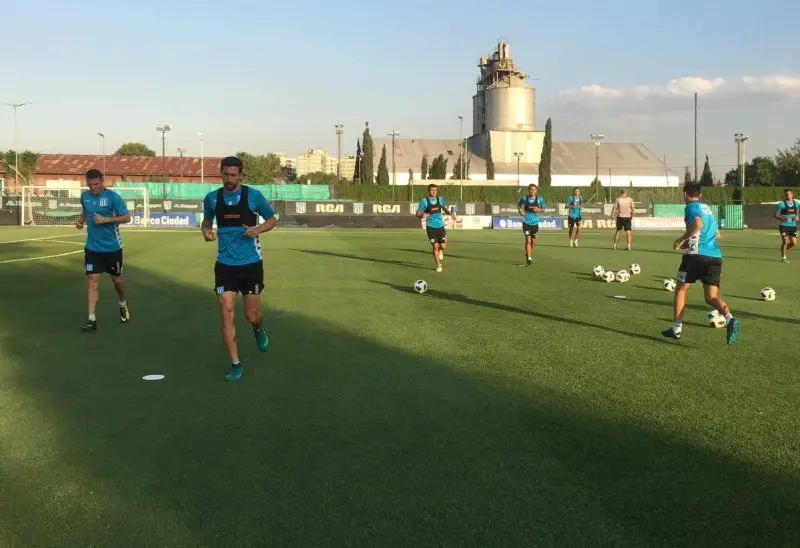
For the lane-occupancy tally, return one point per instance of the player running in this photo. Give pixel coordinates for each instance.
(103, 211)
(702, 261)
(529, 207)
(239, 266)
(430, 209)
(574, 218)
(787, 215)
(623, 213)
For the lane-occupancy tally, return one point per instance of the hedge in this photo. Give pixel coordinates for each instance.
(507, 195)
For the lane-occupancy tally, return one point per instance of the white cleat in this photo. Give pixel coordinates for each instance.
(576, 243)
(570, 243)
(441, 254)
(438, 268)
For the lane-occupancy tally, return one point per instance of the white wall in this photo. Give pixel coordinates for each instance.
(510, 179)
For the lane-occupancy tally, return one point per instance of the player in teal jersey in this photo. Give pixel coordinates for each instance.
(529, 207)
(103, 210)
(702, 260)
(787, 215)
(430, 209)
(574, 218)
(239, 267)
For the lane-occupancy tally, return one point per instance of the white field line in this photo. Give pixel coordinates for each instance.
(42, 257)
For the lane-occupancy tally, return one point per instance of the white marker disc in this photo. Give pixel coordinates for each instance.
(153, 377)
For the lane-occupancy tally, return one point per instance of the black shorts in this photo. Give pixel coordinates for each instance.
(624, 223)
(437, 235)
(97, 262)
(572, 221)
(530, 230)
(700, 268)
(787, 232)
(247, 279)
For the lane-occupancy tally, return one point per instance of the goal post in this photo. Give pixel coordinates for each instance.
(61, 205)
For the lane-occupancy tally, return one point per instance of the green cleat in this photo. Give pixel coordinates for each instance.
(235, 373)
(733, 331)
(261, 339)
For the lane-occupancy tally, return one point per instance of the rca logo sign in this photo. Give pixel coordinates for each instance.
(385, 208)
(330, 208)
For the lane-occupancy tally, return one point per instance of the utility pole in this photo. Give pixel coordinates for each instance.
(695, 137)
(164, 128)
(740, 139)
(15, 106)
(394, 135)
(202, 159)
(461, 158)
(597, 138)
(518, 155)
(339, 133)
(103, 151)
(181, 151)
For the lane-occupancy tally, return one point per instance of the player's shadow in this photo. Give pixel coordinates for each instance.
(336, 435)
(704, 308)
(457, 297)
(428, 253)
(393, 262)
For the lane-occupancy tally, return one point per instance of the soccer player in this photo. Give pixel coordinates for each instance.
(239, 266)
(623, 213)
(103, 210)
(574, 218)
(787, 215)
(430, 209)
(529, 207)
(702, 261)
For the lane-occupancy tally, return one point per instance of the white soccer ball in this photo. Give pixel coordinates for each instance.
(623, 276)
(718, 321)
(635, 269)
(713, 313)
(420, 286)
(768, 294)
(608, 276)
(598, 271)
(669, 284)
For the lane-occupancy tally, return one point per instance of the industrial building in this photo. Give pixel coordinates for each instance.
(504, 111)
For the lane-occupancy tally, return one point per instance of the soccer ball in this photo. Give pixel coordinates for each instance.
(635, 269)
(608, 276)
(718, 321)
(598, 271)
(768, 294)
(623, 276)
(713, 313)
(669, 284)
(420, 286)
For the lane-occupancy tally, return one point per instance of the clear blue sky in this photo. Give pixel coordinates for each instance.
(276, 76)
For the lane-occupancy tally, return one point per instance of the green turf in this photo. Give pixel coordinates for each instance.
(507, 406)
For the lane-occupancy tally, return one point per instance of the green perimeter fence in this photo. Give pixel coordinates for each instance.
(452, 193)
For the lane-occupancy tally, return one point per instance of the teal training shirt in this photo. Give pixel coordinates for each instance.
(233, 247)
(705, 243)
(528, 202)
(104, 238)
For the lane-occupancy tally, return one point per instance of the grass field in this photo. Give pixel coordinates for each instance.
(507, 406)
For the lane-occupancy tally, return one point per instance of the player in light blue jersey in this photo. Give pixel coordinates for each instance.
(430, 209)
(787, 215)
(702, 260)
(574, 204)
(239, 268)
(529, 207)
(103, 210)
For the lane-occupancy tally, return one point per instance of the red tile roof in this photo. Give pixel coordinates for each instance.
(79, 164)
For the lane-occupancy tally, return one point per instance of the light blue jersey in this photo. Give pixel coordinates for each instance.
(433, 207)
(705, 243)
(789, 210)
(233, 247)
(104, 238)
(529, 202)
(574, 204)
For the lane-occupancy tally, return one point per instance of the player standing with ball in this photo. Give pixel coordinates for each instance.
(430, 210)
(239, 266)
(702, 260)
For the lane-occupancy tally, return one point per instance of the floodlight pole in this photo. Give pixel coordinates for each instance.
(103, 150)
(164, 128)
(394, 135)
(15, 106)
(202, 159)
(597, 138)
(740, 138)
(518, 155)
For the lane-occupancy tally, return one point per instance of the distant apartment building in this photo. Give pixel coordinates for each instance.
(315, 161)
(348, 167)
